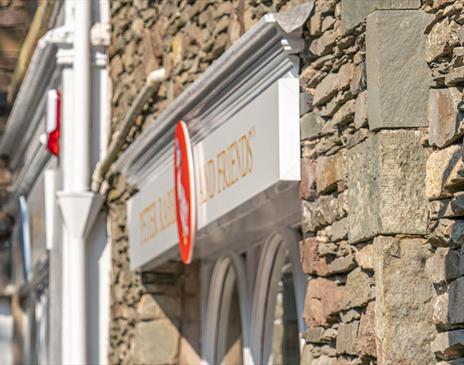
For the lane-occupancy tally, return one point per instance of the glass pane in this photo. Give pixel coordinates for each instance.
(285, 338)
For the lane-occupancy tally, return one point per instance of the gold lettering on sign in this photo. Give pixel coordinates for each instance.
(157, 216)
(231, 165)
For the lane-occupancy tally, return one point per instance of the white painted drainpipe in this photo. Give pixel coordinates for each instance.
(79, 206)
(77, 353)
(82, 97)
(80, 182)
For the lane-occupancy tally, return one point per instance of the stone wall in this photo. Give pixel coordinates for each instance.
(336, 145)
(381, 175)
(445, 177)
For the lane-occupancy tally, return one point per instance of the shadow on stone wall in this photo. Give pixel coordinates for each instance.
(168, 326)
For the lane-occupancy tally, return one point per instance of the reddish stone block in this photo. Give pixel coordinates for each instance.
(308, 178)
(311, 263)
(323, 301)
(365, 345)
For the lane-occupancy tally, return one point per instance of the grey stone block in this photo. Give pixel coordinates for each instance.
(306, 103)
(386, 186)
(444, 265)
(346, 339)
(449, 345)
(358, 289)
(326, 89)
(456, 298)
(403, 309)
(447, 308)
(355, 11)
(310, 126)
(398, 77)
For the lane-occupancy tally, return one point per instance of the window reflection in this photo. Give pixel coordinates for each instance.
(285, 337)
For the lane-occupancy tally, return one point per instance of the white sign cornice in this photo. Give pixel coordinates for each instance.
(260, 57)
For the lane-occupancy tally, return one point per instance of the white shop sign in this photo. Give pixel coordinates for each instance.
(255, 149)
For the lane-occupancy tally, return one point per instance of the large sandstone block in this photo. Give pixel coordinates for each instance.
(157, 307)
(398, 80)
(155, 342)
(403, 309)
(355, 11)
(386, 186)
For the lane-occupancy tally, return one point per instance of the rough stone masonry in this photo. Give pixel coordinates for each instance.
(382, 185)
(382, 182)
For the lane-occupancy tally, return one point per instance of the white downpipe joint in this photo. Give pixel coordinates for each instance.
(79, 211)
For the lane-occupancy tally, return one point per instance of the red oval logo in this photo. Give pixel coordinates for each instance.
(184, 187)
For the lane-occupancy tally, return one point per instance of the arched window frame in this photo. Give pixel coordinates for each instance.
(219, 298)
(264, 299)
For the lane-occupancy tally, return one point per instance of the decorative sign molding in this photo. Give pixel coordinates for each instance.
(258, 148)
(243, 121)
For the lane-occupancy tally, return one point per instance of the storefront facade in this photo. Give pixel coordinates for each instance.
(321, 228)
(236, 182)
(242, 116)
